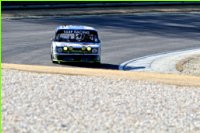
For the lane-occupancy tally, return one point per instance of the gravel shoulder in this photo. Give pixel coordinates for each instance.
(42, 102)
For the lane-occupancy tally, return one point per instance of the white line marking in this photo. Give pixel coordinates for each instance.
(157, 61)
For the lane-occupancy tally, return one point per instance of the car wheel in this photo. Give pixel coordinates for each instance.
(97, 63)
(53, 60)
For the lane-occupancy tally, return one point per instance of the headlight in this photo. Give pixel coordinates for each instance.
(65, 48)
(94, 51)
(83, 48)
(89, 48)
(59, 49)
(70, 48)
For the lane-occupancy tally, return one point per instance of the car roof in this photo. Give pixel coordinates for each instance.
(74, 27)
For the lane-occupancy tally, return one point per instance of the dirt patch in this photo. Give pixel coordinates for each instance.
(190, 65)
(180, 64)
(183, 80)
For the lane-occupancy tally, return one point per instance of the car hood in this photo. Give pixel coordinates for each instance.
(75, 45)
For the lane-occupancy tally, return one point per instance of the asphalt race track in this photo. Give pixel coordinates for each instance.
(124, 37)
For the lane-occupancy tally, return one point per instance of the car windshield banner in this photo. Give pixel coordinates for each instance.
(77, 31)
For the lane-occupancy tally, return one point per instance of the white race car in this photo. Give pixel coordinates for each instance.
(74, 43)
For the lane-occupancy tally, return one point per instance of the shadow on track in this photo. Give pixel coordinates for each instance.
(90, 65)
(170, 25)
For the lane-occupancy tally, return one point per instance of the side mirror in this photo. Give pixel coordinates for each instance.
(52, 39)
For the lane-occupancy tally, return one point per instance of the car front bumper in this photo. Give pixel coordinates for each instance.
(76, 58)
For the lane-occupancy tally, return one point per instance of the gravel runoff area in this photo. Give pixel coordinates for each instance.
(46, 103)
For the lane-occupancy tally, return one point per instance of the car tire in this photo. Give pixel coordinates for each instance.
(55, 62)
(97, 63)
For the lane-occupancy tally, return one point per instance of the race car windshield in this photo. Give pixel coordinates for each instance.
(77, 36)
